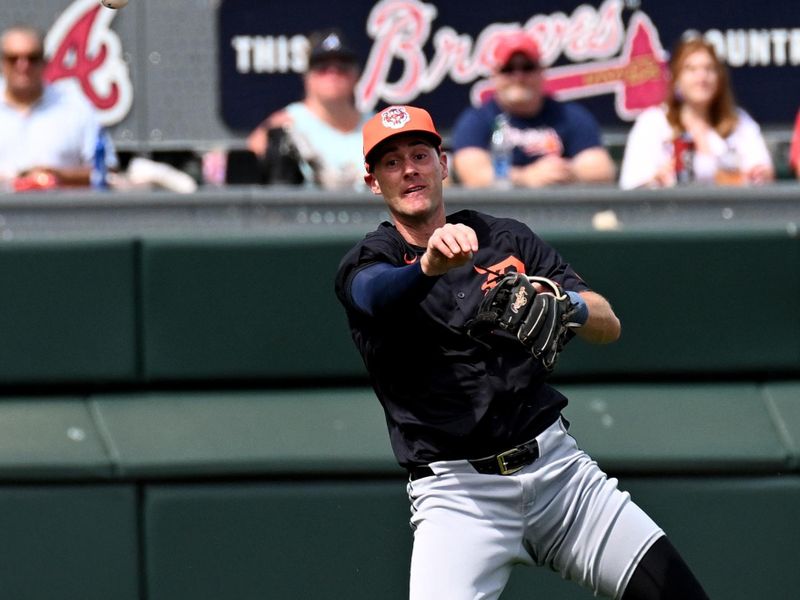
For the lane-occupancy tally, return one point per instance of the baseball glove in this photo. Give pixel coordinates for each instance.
(540, 321)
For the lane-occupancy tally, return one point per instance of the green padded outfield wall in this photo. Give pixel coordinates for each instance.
(71, 542)
(130, 486)
(68, 312)
(263, 308)
(688, 301)
(244, 309)
(351, 539)
(327, 517)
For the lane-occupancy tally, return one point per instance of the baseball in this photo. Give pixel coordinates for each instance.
(605, 220)
(114, 3)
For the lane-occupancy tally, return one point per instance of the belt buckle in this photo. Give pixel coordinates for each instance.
(501, 462)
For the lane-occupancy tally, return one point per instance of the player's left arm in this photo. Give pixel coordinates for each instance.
(583, 141)
(64, 176)
(72, 176)
(594, 165)
(602, 326)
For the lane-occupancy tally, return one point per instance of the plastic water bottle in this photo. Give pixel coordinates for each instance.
(99, 175)
(684, 158)
(501, 150)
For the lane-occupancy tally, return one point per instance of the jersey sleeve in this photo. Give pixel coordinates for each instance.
(381, 287)
(584, 131)
(750, 143)
(471, 130)
(373, 249)
(644, 149)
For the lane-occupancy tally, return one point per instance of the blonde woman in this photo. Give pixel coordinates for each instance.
(728, 147)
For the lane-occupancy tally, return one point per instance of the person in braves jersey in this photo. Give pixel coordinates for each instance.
(553, 142)
(495, 478)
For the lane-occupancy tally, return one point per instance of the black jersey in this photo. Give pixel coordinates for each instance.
(445, 395)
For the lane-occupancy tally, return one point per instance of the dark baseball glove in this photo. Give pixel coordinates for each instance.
(540, 321)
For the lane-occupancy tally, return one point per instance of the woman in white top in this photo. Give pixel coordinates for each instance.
(729, 147)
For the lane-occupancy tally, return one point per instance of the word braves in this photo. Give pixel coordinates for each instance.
(402, 28)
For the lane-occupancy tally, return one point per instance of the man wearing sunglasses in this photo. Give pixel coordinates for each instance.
(323, 130)
(553, 142)
(48, 133)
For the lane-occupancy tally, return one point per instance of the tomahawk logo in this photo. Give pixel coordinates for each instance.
(83, 50)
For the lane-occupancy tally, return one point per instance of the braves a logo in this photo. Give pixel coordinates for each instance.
(395, 117)
(496, 271)
(84, 51)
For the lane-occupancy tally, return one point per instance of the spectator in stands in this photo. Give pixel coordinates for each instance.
(48, 133)
(553, 142)
(794, 152)
(728, 145)
(324, 128)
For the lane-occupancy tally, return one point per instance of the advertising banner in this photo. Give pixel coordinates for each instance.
(608, 55)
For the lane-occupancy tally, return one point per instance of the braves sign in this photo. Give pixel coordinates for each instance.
(84, 51)
(589, 52)
(402, 28)
(608, 54)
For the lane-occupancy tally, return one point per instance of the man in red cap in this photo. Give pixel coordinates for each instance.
(550, 142)
(495, 479)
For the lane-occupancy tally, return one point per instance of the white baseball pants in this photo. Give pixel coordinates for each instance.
(561, 511)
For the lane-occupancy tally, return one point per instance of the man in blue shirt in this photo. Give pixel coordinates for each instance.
(553, 142)
(48, 133)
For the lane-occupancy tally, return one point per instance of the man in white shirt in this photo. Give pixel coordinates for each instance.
(48, 133)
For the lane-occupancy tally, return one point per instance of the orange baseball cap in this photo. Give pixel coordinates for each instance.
(509, 45)
(396, 120)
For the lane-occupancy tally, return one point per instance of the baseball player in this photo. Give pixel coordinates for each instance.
(459, 319)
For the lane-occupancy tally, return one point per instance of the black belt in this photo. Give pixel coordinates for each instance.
(505, 463)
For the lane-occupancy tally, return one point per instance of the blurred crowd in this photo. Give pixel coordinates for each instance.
(518, 137)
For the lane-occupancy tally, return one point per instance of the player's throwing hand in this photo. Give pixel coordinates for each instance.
(450, 246)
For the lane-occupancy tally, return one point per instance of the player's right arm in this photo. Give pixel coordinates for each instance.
(381, 286)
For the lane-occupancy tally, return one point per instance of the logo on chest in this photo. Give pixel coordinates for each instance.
(496, 271)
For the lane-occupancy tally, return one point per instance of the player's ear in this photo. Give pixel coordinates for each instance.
(372, 183)
(443, 162)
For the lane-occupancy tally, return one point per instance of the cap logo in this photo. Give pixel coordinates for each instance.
(332, 42)
(395, 117)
